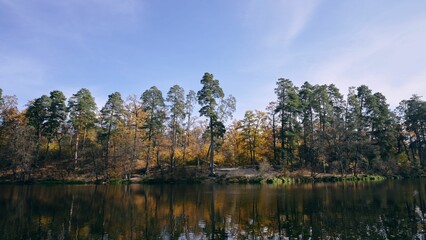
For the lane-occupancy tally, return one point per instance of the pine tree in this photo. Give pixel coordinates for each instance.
(57, 117)
(208, 98)
(154, 107)
(112, 116)
(38, 115)
(176, 99)
(82, 109)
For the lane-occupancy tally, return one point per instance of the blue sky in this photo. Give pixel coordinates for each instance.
(131, 45)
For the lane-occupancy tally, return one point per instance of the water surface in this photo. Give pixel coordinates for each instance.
(384, 210)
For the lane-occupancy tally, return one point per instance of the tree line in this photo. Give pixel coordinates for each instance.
(311, 127)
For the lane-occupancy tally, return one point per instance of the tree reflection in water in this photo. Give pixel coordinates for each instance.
(386, 210)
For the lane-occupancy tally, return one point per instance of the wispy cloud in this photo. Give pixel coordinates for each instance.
(22, 76)
(41, 40)
(271, 28)
(387, 58)
(21, 70)
(277, 24)
(72, 20)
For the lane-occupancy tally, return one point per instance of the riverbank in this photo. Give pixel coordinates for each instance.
(192, 174)
(240, 175)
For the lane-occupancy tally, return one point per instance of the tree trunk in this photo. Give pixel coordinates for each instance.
(83, 147)
(38, 145)
(211, 148)
(422, 141)
(148, 154)
(147, 158)
(47, 148)
(59, 140)
(77, 139)
(106, 160)
(186, 138)
(134, 149)
(413, 153)
(172, 154)
(274, 139)
(282, 139)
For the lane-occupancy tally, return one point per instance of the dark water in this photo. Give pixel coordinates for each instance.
(385, 210)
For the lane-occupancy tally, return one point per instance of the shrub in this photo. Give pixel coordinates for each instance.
(264, 167)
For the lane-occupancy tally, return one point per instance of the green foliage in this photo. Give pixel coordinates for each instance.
(57, 112)
(209, 95)
(82, 115)
(413, 121)
(112, 114)
(1, 98)
(38, 117)
(176, 99)
(208, 98)
(153, 104)
(112, 118)
(38, 113)
(288, 107)
(82, 107)
(190, 101)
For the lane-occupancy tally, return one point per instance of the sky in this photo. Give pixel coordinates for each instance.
(130, 45)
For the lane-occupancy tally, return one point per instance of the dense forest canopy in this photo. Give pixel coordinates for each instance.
(309, 127)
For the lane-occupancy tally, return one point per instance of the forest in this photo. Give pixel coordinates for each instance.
(311, 128)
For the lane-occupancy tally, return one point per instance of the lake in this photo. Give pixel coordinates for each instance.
(363, 210)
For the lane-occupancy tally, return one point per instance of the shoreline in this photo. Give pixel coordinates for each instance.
(222, 176)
